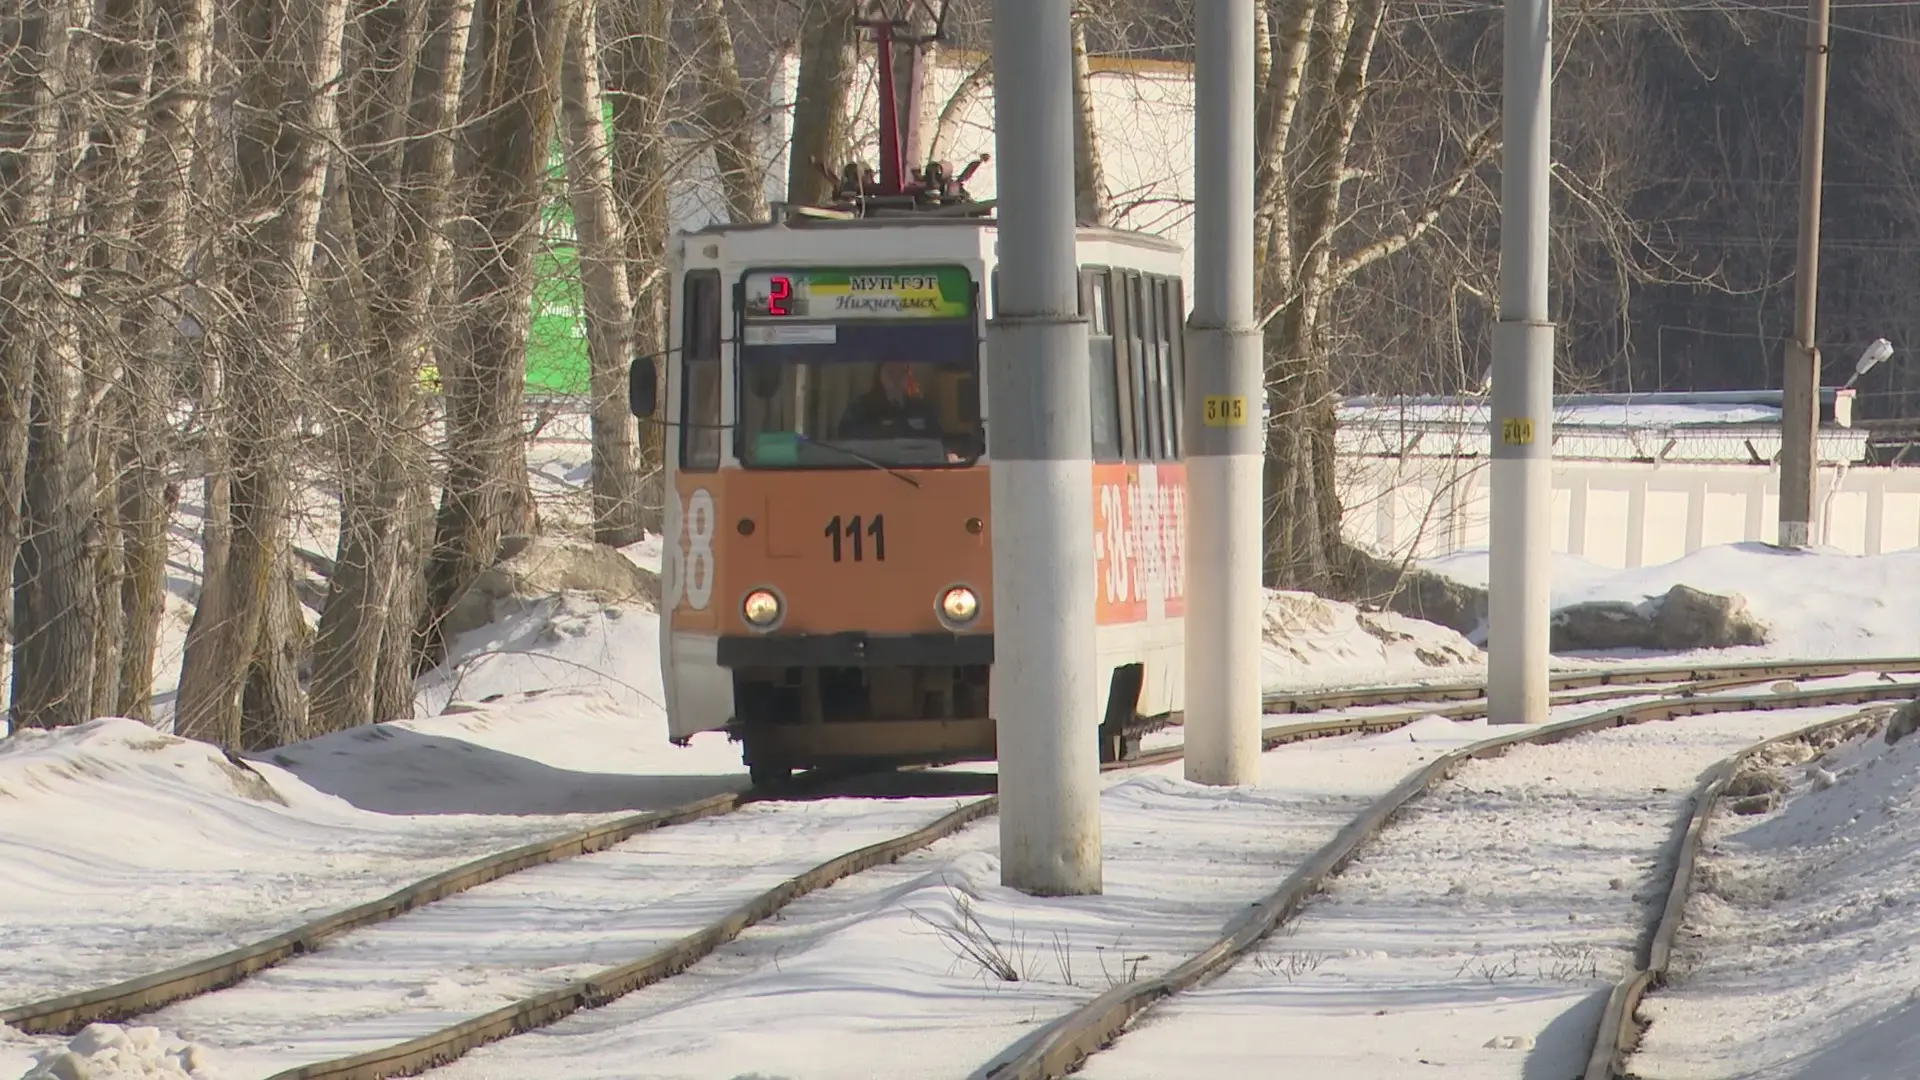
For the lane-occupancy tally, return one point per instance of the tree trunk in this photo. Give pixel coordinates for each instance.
(1089, 176)
(273, 710)
(54, 592)
(114, 282)
(1280, 68)
(502, 153)
(728, 114)
(946, 127)
(393, 695)
(421, 49)
(603, 278)
(210, 605)
(910, 94)
(286, 120)
(820, 100)
(16, 378)
(147, 501)
(1305, 548)
(109, 622)
(639, 68)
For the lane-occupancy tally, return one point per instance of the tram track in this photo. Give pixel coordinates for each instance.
(1066, 1044)
(144, 995)
(1620, 1029)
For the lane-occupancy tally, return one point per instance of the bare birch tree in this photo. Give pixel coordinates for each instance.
(289, 57)
(501, 158)
(1320, 51)
(1089, 175)
(946, 124)
(641, 80)
(402, 94)
(55, 599)
(602, 246)
(821, 89)
(24, 158)
(109, 179)
(729, 116)
(180, 37)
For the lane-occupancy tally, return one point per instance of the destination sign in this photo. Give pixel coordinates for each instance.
(938, 292)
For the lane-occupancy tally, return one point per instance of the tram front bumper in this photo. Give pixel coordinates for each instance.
(855, 649)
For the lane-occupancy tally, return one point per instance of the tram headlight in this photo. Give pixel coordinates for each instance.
(959, 605)
(761, 609)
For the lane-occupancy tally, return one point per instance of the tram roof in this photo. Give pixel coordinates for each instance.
(919, 221)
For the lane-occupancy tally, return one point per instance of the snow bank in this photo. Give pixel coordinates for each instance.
(1819, 603)
(1801, 955)
(126, 850)
(564, 642)
(110, 1052)
(1643, 414)
(1312, 642)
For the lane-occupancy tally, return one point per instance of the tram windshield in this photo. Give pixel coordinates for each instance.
(850, 369)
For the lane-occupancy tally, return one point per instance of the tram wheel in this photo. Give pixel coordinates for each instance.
(768, 775)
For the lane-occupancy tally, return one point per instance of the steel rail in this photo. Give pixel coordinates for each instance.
(146, 993)
(1069, 1041)
(1619, 1030)
(1574, 679)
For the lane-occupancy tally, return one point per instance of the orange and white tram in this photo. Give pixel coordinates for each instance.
(827, 587)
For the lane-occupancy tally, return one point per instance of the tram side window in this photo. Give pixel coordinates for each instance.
(700, 333)
(1123, 319)
(1146, 368)
(1096, 303)
(1166, 298)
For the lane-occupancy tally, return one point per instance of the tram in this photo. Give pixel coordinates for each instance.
(827, 592)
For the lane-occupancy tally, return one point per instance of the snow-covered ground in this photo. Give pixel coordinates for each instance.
(929, 967)
(1467, 411)
(886, 924)
(525, 934)
(1820, 603)
(1479, 936)
(125, 850)
(1800, 956)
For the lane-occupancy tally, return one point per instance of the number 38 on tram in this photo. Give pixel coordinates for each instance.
(827, 585)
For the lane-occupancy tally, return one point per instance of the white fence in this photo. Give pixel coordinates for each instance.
(1621, 513)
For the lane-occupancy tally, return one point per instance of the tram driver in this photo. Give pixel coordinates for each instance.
(892, 408)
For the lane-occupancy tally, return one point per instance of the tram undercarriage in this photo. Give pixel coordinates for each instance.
(810, 716)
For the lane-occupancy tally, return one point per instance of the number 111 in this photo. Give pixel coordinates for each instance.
(877, 528)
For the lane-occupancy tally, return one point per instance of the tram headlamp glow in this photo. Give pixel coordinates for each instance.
(760, 608)
(959, 604)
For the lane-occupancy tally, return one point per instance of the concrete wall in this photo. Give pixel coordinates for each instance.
(1623, 513)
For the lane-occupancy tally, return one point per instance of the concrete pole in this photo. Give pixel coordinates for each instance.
(1519, 590)
(1040, 443)
(1800, 377)
(1222, 429)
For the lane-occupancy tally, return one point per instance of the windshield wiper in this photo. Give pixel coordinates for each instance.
(857, 456)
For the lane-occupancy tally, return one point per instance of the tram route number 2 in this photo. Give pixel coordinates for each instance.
(850, 538)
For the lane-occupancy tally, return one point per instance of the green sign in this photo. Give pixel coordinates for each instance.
(557, 334)
(911, 292)
(557, 362)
